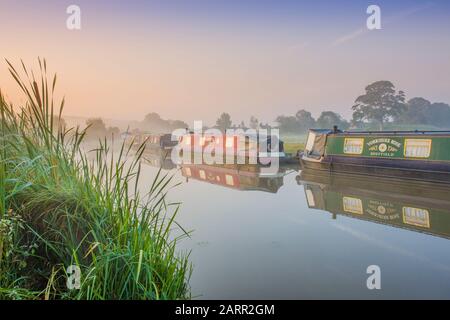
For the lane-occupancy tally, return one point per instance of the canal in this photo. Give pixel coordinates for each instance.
(298, 235)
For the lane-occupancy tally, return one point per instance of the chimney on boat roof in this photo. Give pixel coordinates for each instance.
(335, 129)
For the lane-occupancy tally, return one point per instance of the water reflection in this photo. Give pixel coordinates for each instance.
(422, 207)
(269, 236)
(241, 177)
(416, 206)
(159, 158)
(235, 176)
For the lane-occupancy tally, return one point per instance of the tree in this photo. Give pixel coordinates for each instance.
(380, 103)
(177, 124)
(417, 111)
(113, 132)
(287, 123)
(96, 128)
(224, 122)
(254, 123)
(440, 115)
(305, 120)
(153, 117)
(155, 124)
(328, 119)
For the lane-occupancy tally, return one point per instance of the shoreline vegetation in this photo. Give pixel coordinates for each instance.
(60, 209)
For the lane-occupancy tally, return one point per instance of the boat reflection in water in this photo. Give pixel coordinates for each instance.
(236, 176)
(159, 158)
(420, 207)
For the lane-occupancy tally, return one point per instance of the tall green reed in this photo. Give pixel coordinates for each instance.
(81, 211)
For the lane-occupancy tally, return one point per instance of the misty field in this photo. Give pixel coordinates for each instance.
(293, 142)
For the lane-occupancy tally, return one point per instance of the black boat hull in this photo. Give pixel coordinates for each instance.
(433, 171)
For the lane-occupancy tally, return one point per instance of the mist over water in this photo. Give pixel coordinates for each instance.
(289, 236)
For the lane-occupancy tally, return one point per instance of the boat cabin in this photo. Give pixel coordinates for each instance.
(406, 154)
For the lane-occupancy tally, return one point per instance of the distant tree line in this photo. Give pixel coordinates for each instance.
(303, 120)
(224, 122)
(153, 123)
(380, 105)
(96, 129)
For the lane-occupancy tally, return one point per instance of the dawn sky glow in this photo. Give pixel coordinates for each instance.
(192, 60)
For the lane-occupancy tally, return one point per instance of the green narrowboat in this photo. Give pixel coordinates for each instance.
(413, 205)
(418, 155)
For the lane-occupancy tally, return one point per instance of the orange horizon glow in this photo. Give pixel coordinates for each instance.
(124, 66)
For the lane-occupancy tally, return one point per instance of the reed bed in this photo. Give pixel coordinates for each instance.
(60, 208)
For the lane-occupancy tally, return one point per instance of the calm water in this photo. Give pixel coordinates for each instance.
(299, 236)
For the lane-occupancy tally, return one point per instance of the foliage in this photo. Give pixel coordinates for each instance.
(96, 129)
(155, 124)
(254, 123)
(329, 119)
(305, 120)
(288, 124)
(440, 115)
(59, 209)
(224, 122)
(380, 103)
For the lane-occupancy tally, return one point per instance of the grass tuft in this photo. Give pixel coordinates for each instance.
(59, 207)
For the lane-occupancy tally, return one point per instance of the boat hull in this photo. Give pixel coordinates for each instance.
(433, 171)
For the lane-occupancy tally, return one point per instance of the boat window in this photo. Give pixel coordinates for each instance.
(417, 148)
(229, 180)
(353, 145)
(229, 142)
(310, 198)
(416, 217)
(310, 141)
(352, 205)
(315, 145)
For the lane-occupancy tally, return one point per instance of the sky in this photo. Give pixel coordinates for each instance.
(192, 60)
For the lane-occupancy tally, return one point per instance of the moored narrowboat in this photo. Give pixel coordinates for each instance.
(261, 148)
(153, 141)
(418, 155)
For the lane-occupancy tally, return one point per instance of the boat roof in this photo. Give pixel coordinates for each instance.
(402, 133)
(321, 131)
(154, 134)
(382, 133)
(240, 135)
